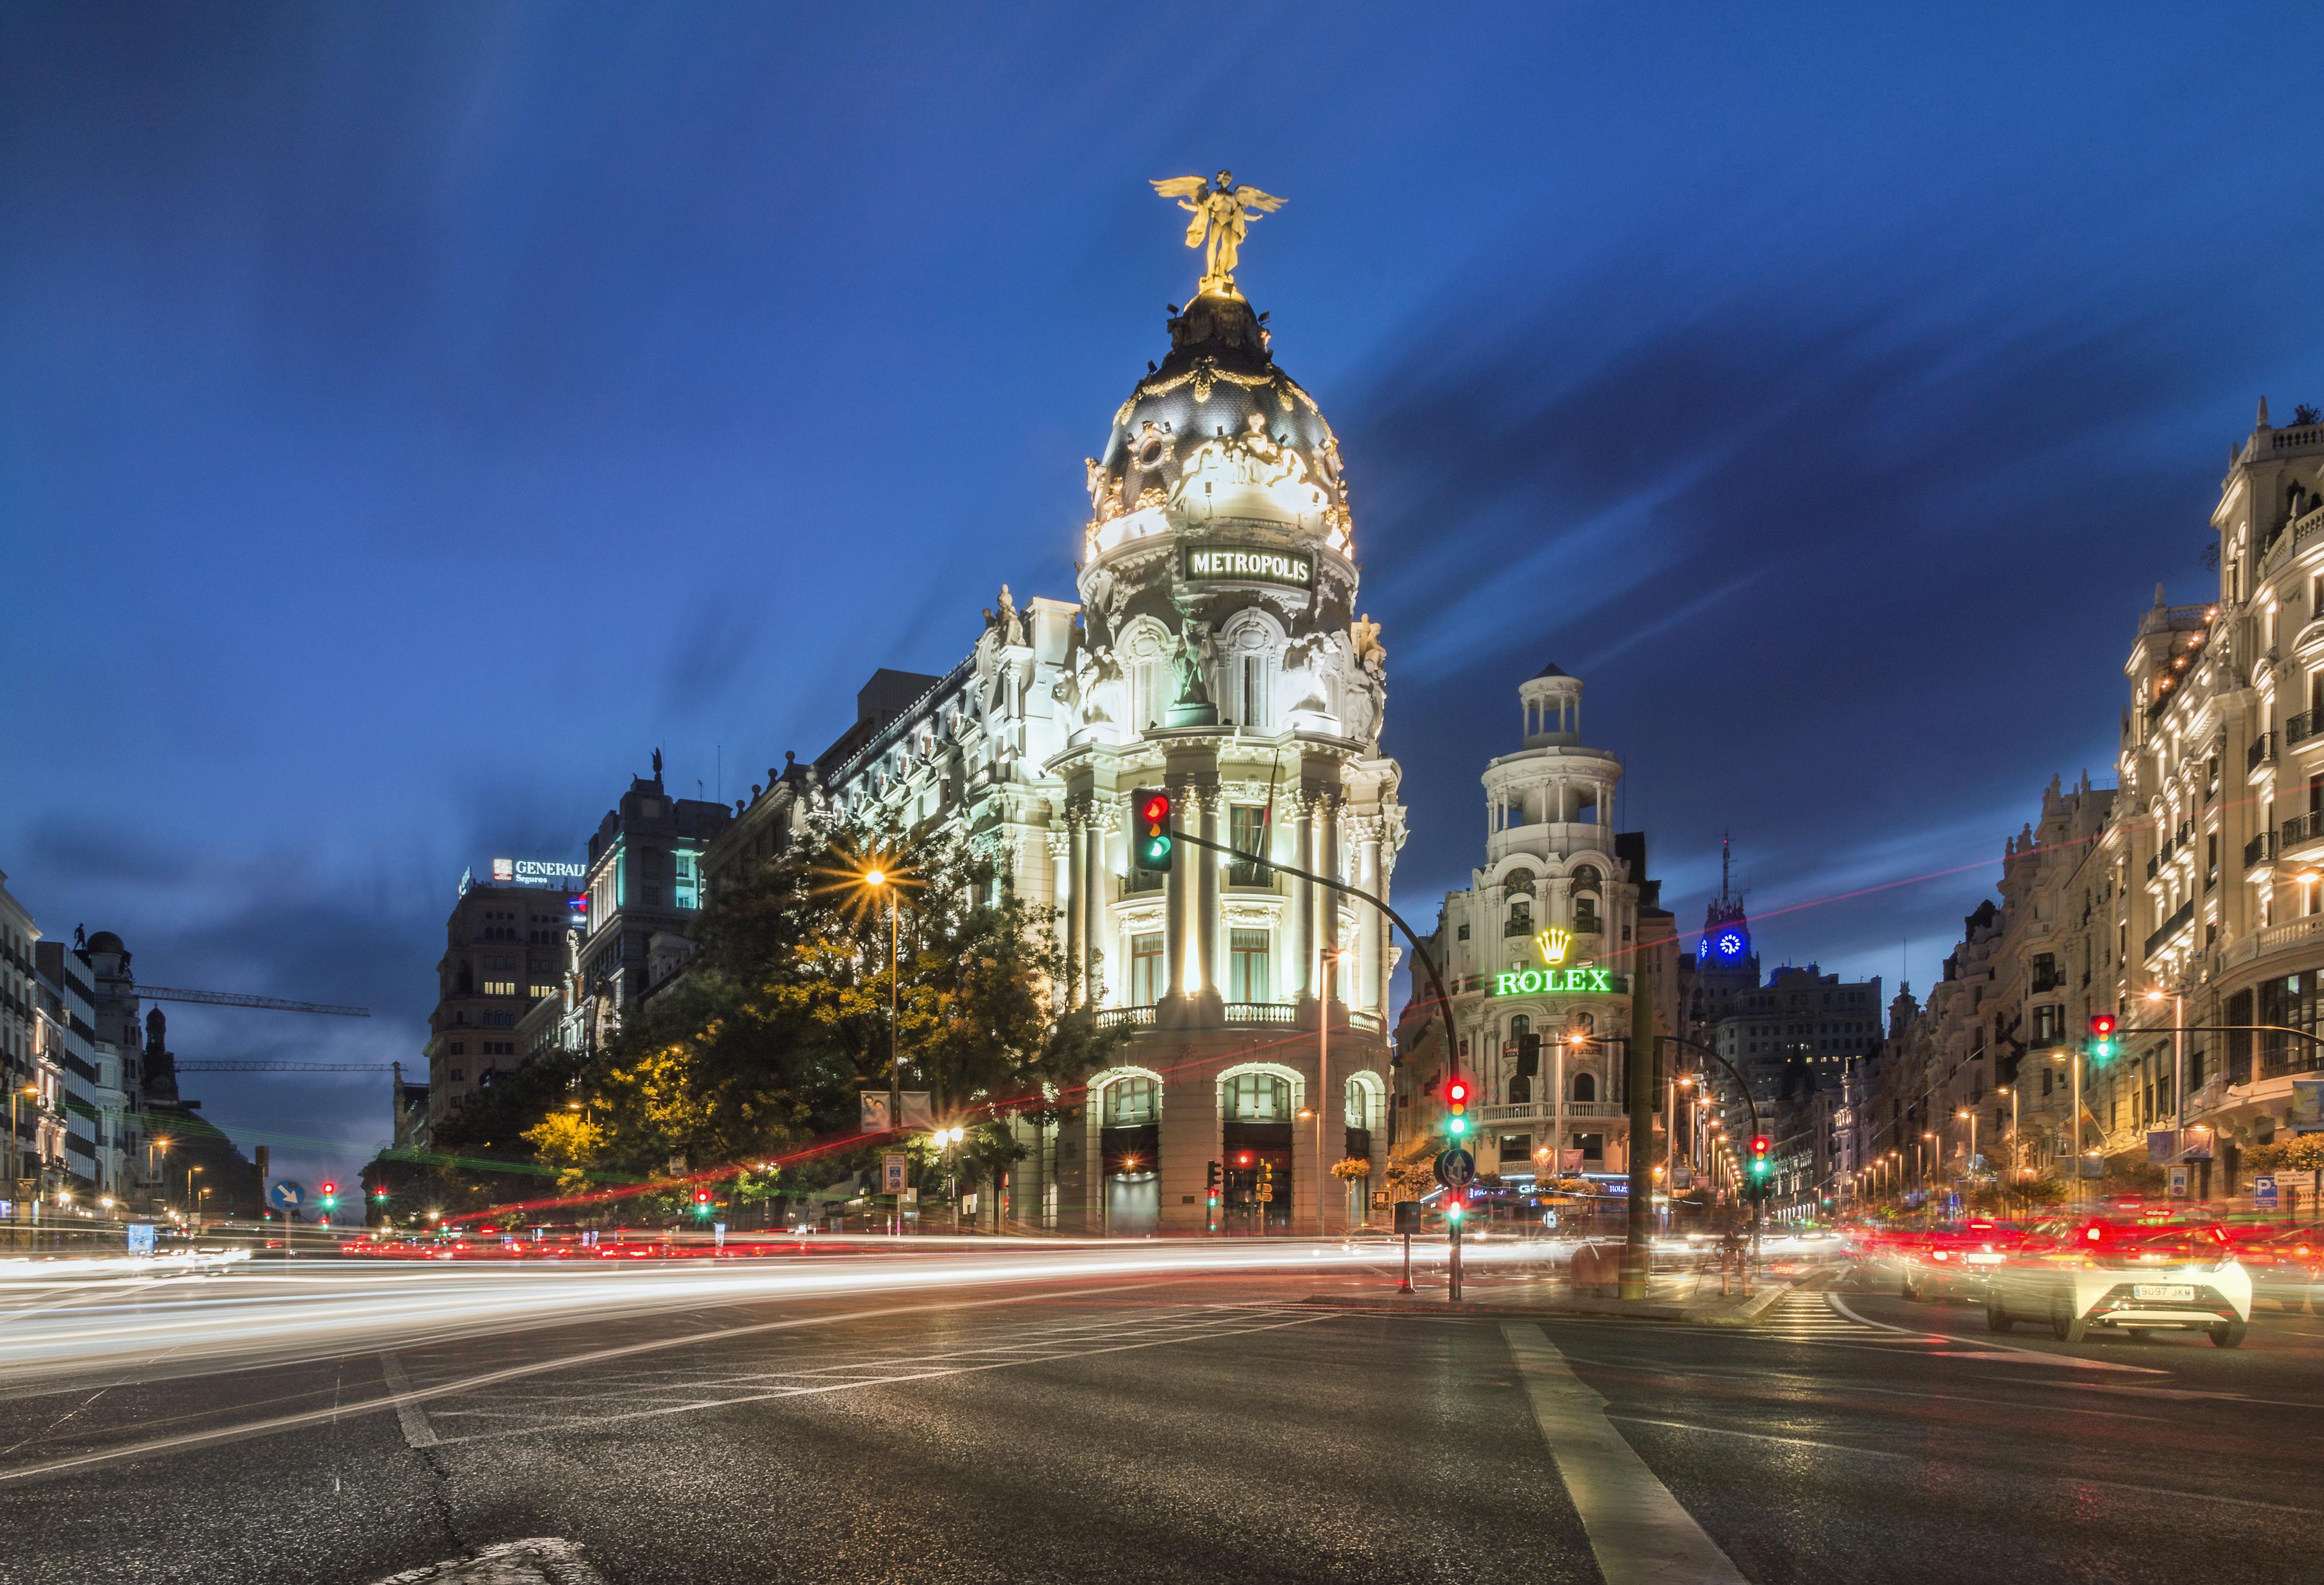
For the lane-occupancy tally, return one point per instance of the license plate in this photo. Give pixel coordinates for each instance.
(1983, 1259)
(2166, 1292)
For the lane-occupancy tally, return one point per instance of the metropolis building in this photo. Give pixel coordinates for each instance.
(1217, 650)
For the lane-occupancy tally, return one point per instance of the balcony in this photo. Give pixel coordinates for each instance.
(1543, 1111)
(2262, 751)
(1263, 1012)
(2298, 832)
(2183, 917)
(2259, 850)
(1125, 1017)
(2299, 728)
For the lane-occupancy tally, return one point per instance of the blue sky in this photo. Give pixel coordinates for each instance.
(412, 417)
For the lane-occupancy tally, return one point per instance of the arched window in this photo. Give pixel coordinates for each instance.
(1519, 883)
(1359, 1104)
(1585, 1087)
(1258, 1098)
(1520, 921)
(1131, 1101)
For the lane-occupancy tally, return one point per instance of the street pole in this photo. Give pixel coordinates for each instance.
(1330, 960)
(895, 1064)
(2075, 1165)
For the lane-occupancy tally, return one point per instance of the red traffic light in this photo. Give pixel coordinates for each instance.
(2101, 1024)
(1155, 809)
(702, 1196)
(1760, 1143)
(1456, 1093)
(330, 1188)
(1242, 1158)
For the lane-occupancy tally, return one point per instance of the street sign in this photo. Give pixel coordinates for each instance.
(286, 1193)
(2179, 1183)
(2264, 1190)
(1456, 1169)
(894, 1166)
(1408, 1215)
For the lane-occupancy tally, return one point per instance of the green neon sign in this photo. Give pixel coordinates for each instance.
(1584, 980)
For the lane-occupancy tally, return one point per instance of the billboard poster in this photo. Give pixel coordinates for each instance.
(2307, 1104)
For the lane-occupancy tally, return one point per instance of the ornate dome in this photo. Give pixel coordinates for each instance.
(105, 940)
(1218, 432)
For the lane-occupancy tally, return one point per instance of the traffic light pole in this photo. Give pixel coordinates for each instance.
(1420, 955)
(1744, 1089)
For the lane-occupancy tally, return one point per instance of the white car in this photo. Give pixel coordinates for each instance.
(2088, 1273)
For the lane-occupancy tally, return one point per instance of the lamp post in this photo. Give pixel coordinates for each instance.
(1969, 1167)
(2016, 1153)
(1929, 1138)
(883, 883)
(2177, 1062)
(16, 1142)
(1330, 955)
(193, 1203)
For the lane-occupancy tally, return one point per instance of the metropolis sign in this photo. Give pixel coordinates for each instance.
(1584, 980)
(1248, 564)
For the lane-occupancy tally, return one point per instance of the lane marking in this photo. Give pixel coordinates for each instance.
(1926, 1456)
(2009, 1352)
(417, 1433)
(536, 1367)
(1637, 1529)
(572, 1422)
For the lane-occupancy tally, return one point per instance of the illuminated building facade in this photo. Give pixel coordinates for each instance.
(1558, 957)
(1216, 650)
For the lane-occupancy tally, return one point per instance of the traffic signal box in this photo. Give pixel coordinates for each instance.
(1212, 1190)
(2102, 1041)
(1762, 1170)
(328, 1200)
(1152, 844)
(1456, 1110)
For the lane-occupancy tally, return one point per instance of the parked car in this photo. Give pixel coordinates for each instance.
(2081, 1273)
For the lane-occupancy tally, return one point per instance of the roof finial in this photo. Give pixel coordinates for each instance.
(2262, 412)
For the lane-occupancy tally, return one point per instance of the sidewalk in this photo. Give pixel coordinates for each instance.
(1690, 1297)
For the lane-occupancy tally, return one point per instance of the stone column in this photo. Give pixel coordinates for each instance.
(1175, 943)
(1372, 973)
(1327, 902)
(1299, 970)
(1206, 895)
(1092, 882)
(1062, 892)
(1072, 877)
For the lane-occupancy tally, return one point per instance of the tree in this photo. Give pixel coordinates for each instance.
(781, 1016)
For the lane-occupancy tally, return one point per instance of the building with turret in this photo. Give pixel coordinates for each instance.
(1557, 958)
(1216, 650)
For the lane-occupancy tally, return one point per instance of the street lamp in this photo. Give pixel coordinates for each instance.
(2178, 1055)
(1331, 955)
(195, 1204)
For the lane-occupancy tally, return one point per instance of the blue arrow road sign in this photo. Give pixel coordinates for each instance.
(286, 1193)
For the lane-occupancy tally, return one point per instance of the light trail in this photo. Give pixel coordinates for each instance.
(257, 1317)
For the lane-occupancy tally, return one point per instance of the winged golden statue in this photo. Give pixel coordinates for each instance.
(1223, 213)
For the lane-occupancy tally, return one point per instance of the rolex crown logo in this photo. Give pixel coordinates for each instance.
(1553, 945)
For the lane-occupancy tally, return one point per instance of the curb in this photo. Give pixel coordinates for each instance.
(1746, 1314)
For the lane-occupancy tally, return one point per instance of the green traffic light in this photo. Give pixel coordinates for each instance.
(1157, 850)
(1456, 1125)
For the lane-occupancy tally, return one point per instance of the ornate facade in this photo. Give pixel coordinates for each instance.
(1216, 651)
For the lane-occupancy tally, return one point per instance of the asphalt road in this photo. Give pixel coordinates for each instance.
(1159, 1426)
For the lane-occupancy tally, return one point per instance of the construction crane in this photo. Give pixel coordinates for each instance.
(237, 998)
(286, 1067)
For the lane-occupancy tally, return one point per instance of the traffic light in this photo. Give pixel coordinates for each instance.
(1453, 1208)
(1456, 1108)
(2102, 1041)
(1761, 1168)
(1210, 1187)
(330, 1196)
(1528, 1056)
(1242, 1158)
(702, 1202)
(1150, 843)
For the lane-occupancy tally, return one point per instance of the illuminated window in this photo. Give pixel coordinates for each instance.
(1255, 716)
(1247, 833)
(690, 884)
(1145, 969)
(1258, 1098)
(540, 991)
(499, 988)
(1129, 1102)
(1246, 966)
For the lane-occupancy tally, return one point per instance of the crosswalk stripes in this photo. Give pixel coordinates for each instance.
(1802, 1316)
